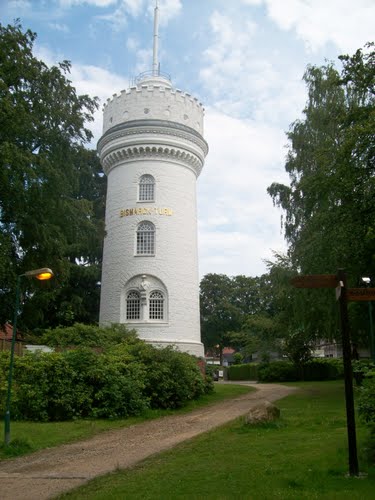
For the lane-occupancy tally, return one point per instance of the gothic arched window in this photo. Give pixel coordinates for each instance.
(146, 188)
(133, 305)
(145, 238)
(156, 305)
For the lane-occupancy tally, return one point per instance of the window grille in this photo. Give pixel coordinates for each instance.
(145, 238)
(146, 188)
(133, 305)
(156, 307)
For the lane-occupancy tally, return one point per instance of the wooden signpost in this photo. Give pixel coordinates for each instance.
(365, 294)
(315, 281)
(343, 294)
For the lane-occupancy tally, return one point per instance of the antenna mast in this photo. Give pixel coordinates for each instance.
(155, 62)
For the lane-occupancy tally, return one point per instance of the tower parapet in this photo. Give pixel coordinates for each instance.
(150, 101)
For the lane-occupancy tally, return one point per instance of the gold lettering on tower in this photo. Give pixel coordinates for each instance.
(126, 212)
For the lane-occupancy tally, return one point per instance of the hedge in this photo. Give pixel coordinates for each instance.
(124, 380)
(247, 371)
(286, 371)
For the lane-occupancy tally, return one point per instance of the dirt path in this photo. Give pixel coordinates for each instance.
(49, 472)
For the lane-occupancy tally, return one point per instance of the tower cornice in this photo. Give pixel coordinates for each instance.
(165, 127)
(152, 139)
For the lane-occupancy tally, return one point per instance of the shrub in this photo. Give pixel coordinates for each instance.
(237, 358)
(88, 336)
(366, 401)
(247, 371)
(321, 369)
(277, 371)
(76, 383)
(173, 377)
(123, 380)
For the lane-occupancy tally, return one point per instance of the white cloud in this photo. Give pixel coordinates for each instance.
(118, 18)
(133, 7)
(244, 83)
(237, 221)
(59, 27)
(346, 24)
(132, 44)
(88, 79)
(95, 3)
(98, 82)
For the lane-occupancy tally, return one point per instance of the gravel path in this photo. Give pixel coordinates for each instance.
(49, 472)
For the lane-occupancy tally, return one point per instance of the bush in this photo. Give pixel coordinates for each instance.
(366, 401)
(172, 377)
(247, 371)
(277, 371)
(286, 371)
(87, 336)
(321, 369)
(123, 380)
(75, 384)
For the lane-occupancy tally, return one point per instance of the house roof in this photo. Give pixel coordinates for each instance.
(6, 332)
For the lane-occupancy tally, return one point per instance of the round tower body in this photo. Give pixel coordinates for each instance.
(152, 151)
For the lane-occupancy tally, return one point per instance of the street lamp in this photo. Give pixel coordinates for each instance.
(41, 274)
(367, 280)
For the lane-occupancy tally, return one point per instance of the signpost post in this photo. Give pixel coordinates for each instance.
(338, 281)
(348, 375)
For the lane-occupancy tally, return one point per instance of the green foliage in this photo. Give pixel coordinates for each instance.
(118, 376)
(15, 448)
(286, 371)
(51, 188)
(329, 206)
(247, 371)
(172, 377)
(88, 336)
(238, 312)
(366, 401)
(298, 347)
(323, 369)
(277, 371)
(237, 358)
(75, 384)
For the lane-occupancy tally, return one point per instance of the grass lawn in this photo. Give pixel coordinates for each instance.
(302, 456)
(32, 436)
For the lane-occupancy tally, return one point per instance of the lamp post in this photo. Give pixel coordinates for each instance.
(372, 345)
(41, 274)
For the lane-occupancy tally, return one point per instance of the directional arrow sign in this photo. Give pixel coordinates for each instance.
(315, 281)
(365, 294)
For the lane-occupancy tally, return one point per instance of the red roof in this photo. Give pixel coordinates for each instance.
(6, 332)
(228, 350)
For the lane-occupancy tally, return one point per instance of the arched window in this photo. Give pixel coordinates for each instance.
(133, 305)
(146, 188)
(145, 238)
(156, 306)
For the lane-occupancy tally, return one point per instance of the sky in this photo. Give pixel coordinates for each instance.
(243, 59)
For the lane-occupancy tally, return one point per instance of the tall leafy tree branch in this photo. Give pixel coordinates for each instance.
(329, 205)
(51, 188)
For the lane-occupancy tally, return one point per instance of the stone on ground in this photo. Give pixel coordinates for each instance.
(262, 412)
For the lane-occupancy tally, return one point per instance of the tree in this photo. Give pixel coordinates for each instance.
(51, 189)
(237, 312)
(219, 317)
(330, 202)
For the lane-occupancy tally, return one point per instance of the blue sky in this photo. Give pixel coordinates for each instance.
(244, 59)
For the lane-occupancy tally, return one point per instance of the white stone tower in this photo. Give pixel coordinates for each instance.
(152, 151)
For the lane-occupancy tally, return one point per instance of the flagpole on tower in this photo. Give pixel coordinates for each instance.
(155, 62)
